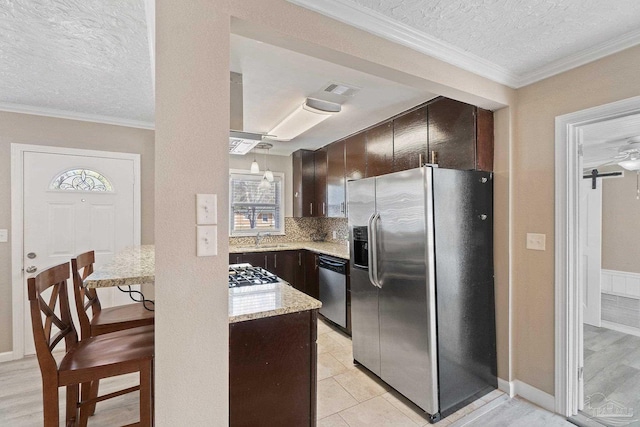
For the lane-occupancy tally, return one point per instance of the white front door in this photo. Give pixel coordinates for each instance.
(73, 203)
(591, 246)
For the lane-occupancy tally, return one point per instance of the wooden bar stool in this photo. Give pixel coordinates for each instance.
(102, 320)
(85, 361)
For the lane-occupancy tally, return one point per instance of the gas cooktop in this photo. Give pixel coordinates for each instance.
(247, 275)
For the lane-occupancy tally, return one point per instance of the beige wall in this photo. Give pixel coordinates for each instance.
(282, 164)
(621, 224)
(610, 79)
(37, 130)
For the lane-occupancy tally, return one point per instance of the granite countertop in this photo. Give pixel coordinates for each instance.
(136, 266)
(334, 249)
(131, 266)
(273, 299)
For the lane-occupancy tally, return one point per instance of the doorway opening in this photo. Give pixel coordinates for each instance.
(583, 372)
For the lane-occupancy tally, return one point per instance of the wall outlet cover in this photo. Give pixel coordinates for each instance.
(536, 241)
(4, 235)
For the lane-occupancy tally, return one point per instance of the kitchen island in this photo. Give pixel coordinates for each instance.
(272, 343)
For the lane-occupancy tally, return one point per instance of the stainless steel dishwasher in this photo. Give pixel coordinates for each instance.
(333, 289)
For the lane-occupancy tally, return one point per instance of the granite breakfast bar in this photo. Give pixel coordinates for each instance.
(272, 343)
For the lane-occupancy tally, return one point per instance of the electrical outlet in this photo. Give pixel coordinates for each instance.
(536, 242)
(4, 235)
(334, 234)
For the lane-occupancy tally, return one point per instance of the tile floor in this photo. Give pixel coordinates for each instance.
(349, 396)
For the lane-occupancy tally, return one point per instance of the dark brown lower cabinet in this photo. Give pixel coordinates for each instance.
(312, 287)
(272, 371)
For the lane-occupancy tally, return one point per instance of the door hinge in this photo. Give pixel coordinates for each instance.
(580, 373)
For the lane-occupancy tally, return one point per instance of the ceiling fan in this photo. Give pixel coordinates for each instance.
(627, 155)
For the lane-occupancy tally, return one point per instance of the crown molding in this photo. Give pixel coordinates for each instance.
(581, 58)
(72, 115)
(378, 24)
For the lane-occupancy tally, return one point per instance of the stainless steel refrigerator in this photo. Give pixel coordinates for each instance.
(421, 247)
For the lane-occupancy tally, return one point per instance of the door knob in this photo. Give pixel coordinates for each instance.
(31, 269)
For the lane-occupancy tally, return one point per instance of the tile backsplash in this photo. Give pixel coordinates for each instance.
(303, 229)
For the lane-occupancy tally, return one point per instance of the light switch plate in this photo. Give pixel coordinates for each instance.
(206, 209)
(207, 240)
(4, 235)
(536, 242)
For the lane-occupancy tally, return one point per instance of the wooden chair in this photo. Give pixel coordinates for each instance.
(85, 361)
(102, 320)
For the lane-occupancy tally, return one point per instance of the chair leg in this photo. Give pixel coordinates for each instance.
(72, 405)
(50, 406)
(146, 404)
(93, 393)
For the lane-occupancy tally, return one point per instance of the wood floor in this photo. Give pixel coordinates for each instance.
(348, 396)
(611, 372)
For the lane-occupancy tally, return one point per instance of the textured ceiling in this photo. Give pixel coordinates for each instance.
(602, 140)
(515, 42)
(84, 56)
(520, 35)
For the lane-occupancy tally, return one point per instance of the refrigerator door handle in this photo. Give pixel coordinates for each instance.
(370, 251)
(373, 266)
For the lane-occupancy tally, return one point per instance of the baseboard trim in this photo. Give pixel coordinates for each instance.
(620, 328)
(534, 395)
(506, 386)
(6, 356)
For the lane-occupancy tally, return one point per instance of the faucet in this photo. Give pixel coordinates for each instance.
(259, 237)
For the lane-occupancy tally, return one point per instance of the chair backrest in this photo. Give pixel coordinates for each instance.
(43, 327)
(85, 298)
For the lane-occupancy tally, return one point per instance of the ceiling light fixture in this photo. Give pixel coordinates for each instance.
(632, 164)
(255, 168)
(309, 114)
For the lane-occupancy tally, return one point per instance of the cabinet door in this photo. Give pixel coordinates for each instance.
(410, 140)
(319, 206)
(336, 206)
(258, 259)
(355, 149)
(379, 147)
(235, 258)
(484, 140)
(452, 133)
(303, 183)
(312, 287)
(289, 267)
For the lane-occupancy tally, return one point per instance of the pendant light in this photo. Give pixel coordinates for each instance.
(255, 168)
(268, 174)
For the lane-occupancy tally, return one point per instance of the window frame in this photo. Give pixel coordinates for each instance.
(249, 233)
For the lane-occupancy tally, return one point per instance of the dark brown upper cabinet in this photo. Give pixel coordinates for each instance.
(319, 205)
(355, 156)
(460, 135)
(336, 202)
(410, 140)
(379, 148)
(303, 183)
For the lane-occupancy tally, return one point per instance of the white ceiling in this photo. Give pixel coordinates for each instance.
(276, 81)
(602, 140)
(89, 59)
(514, 42)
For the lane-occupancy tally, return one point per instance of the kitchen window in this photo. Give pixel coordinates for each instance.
(255, 208)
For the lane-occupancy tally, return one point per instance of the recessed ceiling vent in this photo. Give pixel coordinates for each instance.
(341, 89)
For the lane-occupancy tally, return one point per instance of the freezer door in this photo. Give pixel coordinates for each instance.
(365, 332)
(405, 272)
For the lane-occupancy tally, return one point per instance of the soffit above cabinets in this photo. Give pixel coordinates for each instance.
(514, 42)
